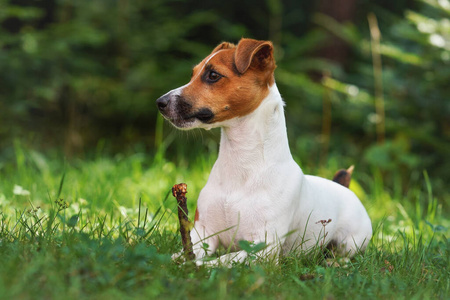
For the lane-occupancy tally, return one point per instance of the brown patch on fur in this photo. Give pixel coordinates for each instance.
(224, 45)
(343, 176)
(247, 72)
(257, 55)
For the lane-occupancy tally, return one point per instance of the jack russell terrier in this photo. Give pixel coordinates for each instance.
(256, 191)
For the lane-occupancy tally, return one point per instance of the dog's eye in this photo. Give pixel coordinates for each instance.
(213, 76)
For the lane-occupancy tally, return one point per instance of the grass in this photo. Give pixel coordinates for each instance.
(105, 228)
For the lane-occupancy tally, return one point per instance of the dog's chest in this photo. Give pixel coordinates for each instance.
(236, 215)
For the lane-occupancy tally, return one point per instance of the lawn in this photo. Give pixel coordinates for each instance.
(104, 228)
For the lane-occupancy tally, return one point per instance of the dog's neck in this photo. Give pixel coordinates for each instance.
(254, 142)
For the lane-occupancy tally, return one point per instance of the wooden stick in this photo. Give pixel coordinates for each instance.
(179, 192)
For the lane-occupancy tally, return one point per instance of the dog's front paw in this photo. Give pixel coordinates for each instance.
(207, 262)
(179, 257)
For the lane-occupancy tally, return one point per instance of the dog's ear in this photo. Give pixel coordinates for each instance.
(253, 53)
(223, 45)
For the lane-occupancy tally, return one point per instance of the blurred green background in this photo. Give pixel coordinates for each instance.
(365, 82)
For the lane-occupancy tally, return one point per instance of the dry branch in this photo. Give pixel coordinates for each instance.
(179, 192)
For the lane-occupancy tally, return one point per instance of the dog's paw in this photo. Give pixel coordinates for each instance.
(207, 262)
(178, 257)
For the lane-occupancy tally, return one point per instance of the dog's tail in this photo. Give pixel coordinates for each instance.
(343, 176)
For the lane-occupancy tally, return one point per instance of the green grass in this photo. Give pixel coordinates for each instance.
(105, 228)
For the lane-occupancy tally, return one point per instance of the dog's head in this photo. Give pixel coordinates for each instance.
(230, 82)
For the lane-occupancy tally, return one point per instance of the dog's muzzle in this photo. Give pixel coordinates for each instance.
(179, 111)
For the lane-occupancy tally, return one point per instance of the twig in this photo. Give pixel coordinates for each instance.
(326, 119)
(378, 77)
(324, 224)
(179, 192)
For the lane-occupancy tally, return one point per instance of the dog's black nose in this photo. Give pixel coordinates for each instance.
(162, 102)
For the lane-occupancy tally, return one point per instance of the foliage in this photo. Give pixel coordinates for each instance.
(417, 103)
(80, 76)
(415, 72)
(91, 72)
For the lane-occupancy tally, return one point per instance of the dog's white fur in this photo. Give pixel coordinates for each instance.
(257, 192)
(257, 189)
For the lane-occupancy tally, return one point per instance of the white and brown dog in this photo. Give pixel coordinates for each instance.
(256, 192)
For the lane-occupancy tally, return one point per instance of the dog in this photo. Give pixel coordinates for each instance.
(256, 191)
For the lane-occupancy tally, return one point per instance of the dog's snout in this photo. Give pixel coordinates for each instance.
(204, 115)
(162, 102)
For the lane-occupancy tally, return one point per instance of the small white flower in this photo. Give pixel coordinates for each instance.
(3, 199)
(18, 190)
(83, 202)
(123, 211)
